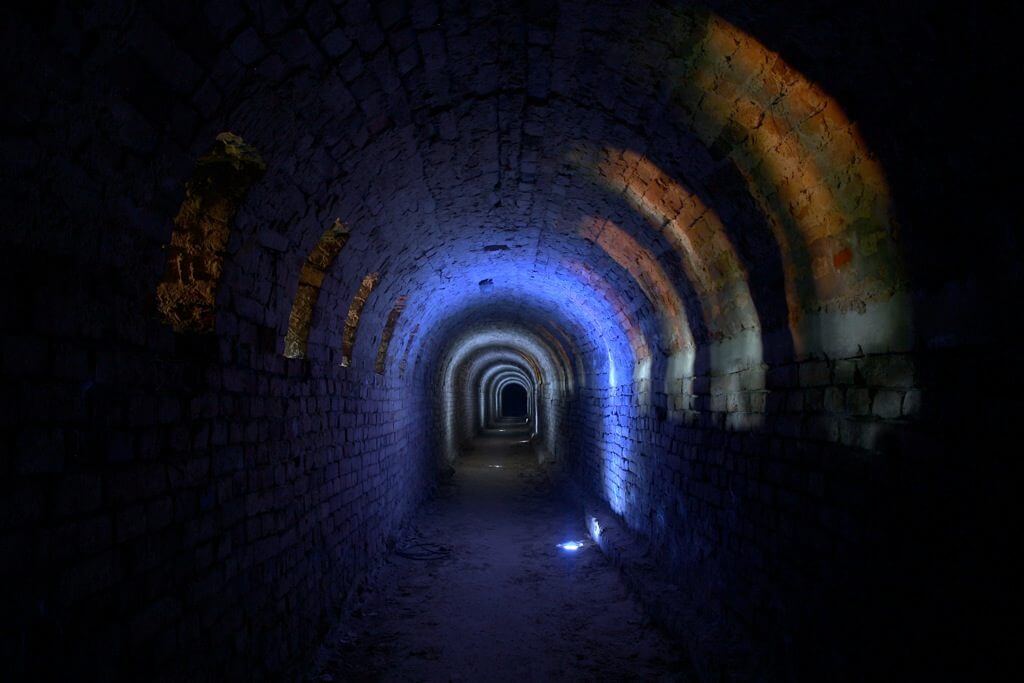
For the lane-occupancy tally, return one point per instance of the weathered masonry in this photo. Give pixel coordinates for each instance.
(742, 271)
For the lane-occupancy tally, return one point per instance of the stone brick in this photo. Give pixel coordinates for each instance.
(858, 401)
(912, 404)
(167, 487)
(814, 374)
(889, 371)
(887, 404)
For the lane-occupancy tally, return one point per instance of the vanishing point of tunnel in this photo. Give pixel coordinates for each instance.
(508, 340)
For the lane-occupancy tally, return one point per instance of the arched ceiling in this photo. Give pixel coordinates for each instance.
(656, 189)
(650, 184)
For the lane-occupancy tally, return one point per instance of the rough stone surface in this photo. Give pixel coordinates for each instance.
(748, 256)
(478, 590)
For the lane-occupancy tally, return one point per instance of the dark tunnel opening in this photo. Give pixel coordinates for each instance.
(420, 340)
(513, 400)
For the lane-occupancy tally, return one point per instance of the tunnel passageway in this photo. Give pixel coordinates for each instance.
(735, 270)
(513, 401)
(497, 600)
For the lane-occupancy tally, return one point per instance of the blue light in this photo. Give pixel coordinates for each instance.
(571, 546)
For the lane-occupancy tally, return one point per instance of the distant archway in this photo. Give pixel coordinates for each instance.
(513, 400)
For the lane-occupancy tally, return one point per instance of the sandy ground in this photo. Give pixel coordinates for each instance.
(480, 592)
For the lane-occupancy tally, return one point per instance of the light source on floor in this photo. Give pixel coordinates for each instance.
(571, 546)
(495, 466)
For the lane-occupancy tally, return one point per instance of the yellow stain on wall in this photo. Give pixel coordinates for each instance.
(187, 294)
(355, 310)
(311, 279)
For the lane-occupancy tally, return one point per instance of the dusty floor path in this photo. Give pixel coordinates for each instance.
(482, 593)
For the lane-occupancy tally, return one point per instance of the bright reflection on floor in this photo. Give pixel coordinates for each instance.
(572, 546)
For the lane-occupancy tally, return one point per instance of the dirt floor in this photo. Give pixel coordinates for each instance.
(480, 592)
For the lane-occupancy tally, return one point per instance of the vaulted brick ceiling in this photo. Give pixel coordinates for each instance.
(278, 252)
(653, 178)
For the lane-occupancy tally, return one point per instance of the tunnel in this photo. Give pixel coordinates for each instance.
(508, 340)
(512, 400)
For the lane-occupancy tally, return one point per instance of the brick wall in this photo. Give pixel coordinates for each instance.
(179, 494)
(163, 490)
(832, 534)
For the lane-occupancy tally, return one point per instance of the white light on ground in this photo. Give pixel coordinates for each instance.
(495, 466)
(571, 546)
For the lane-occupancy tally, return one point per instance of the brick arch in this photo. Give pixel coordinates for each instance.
(464, 355)
(311, 278)
(354, 316)
(388, 332)
(645, 270)
(443, 135)
(493, 371)
(186, 296)
(809, 170)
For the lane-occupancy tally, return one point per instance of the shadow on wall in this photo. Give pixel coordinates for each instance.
(778, 495)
